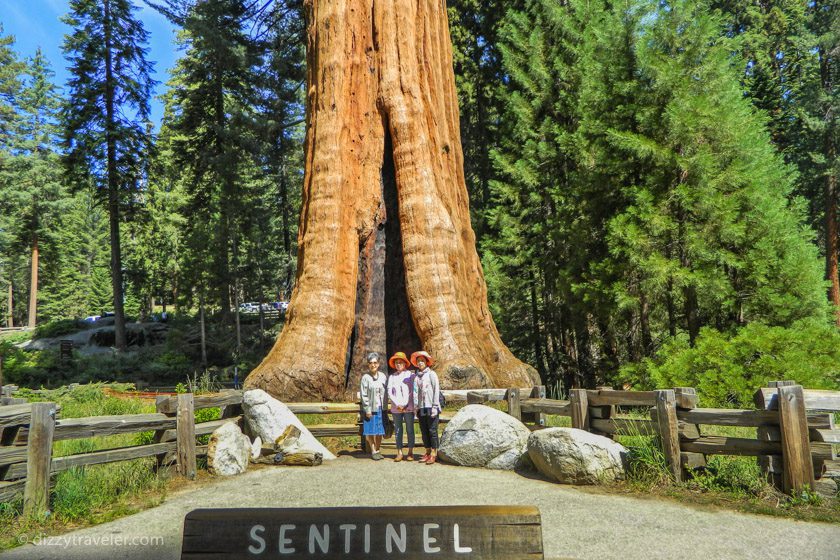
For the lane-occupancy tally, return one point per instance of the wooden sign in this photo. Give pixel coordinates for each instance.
(440, 532)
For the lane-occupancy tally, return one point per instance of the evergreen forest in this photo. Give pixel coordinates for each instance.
(652, 183)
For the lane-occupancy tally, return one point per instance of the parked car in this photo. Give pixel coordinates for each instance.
(250, 307)
(91, 318)
(280, 305)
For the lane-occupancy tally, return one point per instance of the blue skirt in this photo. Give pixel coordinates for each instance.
(373, 426)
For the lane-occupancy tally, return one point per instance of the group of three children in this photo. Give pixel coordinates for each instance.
(410, 394)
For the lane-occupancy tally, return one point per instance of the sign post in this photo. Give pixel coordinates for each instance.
(440, 532)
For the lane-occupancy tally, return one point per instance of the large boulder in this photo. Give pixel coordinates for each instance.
(228, 451)
(480, 436)
(267, 418)
(572, 456)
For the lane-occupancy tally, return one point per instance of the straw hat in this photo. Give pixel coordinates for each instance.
(398, 356)
(422, 353)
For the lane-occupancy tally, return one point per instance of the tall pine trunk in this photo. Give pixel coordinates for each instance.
(113, 186)
(33, 284)
(832, 243)
(10, 317)
(380, 74)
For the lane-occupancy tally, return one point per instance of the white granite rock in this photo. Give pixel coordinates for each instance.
(267, 418)
(572, 456)
(481, 436)
(228, 451)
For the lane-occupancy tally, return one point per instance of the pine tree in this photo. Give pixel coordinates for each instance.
(280, 109)
(11, 69)
(711, 216)
(474, 28)
(107, 108)
(212, 122)
(791, 72)
(533, 221)
(640, 196)
(80, 285)
(32, 186)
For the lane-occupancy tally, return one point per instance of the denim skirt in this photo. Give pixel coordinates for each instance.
(373, 426)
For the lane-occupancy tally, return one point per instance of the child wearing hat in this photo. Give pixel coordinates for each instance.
(401, 396)
(427, 403)
(372, 393)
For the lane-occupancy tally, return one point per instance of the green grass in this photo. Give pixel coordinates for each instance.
(95, 493)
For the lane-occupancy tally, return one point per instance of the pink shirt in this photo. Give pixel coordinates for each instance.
(401, 391)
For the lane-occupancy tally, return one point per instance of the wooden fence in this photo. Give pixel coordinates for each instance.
(795, 430)
(28, 430)
(795, 438)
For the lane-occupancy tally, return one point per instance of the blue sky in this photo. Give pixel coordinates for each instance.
(36, 23)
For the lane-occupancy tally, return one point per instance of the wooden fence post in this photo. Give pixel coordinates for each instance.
(537, 418)
(666, 415)
(796, 448)
(514, 408)
(160, 402)
(580, 409)
(36, 493)
(603, 412)
(686, 399)
(185, 436)
(769, 464)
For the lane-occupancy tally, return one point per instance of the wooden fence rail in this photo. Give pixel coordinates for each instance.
(796, 432)
(795, 427)
(27, 431)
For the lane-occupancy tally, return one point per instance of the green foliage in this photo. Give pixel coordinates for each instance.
(735, 475)
(639, 196)
(727, 368)
(59, 327)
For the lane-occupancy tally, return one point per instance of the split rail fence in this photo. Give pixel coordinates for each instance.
(795, 431)
(795, 441)
(28, 430)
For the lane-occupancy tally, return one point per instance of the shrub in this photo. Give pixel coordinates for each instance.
(726, 369)
(59, 327)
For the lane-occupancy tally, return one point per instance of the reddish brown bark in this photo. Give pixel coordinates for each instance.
(831, 243)
(381, 88)
(33, 284)
(10, 309)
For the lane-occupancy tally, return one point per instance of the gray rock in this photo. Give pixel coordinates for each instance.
(480, 436)
(228, 451)
(572, 456)
(267, 418)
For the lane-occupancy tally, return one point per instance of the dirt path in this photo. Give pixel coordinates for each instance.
(576, 524)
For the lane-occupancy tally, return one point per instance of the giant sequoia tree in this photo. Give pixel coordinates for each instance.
(387, 255)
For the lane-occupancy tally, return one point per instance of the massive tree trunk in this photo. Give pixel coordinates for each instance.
(384, 206)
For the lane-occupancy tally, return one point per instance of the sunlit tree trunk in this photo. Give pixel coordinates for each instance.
(382, 110)
(33, 284)
(10, 316)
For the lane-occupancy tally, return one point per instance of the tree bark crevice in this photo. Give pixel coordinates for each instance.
(381, 90)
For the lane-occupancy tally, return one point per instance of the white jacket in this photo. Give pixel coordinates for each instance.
(401, 391)
(427, 390)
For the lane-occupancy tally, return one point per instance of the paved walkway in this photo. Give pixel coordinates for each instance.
(576, 523)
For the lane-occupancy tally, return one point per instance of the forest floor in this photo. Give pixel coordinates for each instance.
(577, 523)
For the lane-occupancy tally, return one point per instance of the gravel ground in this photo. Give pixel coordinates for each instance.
(576, 523)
